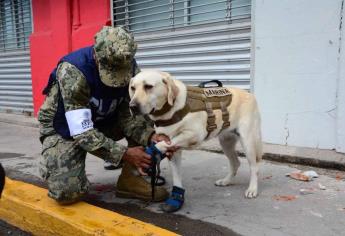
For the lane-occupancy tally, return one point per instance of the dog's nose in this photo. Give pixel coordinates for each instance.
(134, 108)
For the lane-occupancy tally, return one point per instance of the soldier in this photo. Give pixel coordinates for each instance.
(86, 109)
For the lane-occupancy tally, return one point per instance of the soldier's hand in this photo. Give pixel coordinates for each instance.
(137, 157)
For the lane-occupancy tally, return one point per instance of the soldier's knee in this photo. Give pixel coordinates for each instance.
(69, 200)
(67, 195)
(68, 192)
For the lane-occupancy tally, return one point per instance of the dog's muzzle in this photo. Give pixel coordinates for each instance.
(135, 110)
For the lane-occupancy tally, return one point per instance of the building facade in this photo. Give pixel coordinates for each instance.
(288, 53)
(298, 73)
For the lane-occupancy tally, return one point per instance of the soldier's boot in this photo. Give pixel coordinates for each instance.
(132, 185)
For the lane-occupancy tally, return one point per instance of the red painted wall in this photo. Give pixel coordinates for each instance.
(59, 28)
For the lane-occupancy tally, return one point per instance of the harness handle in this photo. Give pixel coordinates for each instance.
(202, 84)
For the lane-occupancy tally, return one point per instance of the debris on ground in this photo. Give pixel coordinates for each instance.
(316, 214)
(339, 176)
(305, 191)
(267, 177)
(311, 174)
(322, 187)
(298, 176)
(303, 176)
(284, 198)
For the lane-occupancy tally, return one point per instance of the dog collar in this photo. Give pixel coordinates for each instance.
(178, 116)
(166, 107)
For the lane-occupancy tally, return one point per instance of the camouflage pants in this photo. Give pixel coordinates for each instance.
(62, 166)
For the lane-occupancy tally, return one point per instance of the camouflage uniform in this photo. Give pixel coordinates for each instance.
(63, 160)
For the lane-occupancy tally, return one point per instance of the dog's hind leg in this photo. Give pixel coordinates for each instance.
(228, 142)
(249, 144)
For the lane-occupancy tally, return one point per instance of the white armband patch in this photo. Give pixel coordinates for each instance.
(79, 121)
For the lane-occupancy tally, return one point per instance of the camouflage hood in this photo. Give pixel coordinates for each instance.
(115, 49)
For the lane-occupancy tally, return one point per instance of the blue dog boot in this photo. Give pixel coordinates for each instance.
(175, 201)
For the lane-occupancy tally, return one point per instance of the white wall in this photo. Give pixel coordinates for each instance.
(296, 71)
(340, 132)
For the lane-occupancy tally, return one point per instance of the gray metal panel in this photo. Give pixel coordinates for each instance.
(196, 54)
(193, 40)
(15, 71)
(15, 82)
(15, 24)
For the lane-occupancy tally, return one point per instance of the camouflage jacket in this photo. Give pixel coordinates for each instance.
(76, 95)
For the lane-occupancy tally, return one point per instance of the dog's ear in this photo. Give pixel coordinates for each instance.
(172, 88)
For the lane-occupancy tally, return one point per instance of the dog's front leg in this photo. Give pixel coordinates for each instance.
(183, 140)
(176, 200)
(175, 166)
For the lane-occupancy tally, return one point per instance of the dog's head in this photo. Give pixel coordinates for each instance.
(150, 90)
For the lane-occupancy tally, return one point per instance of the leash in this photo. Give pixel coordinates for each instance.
(154, 170)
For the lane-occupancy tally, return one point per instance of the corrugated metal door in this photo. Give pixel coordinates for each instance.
(194, 40)
(15, 72)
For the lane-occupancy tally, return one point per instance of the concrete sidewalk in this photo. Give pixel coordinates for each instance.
(294, 155)
(280, 209)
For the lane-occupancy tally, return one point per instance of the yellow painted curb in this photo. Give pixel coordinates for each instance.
(28, 207)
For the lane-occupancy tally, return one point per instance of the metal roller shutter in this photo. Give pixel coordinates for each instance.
(193, 40)
(15, 71)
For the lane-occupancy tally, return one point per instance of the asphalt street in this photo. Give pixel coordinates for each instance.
(280, 208)
(7, 229)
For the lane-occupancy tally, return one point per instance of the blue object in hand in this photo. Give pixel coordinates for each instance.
(152, 150)
(156, 156)
(154, 169)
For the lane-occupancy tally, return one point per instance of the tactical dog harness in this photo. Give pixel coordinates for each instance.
(201, 98)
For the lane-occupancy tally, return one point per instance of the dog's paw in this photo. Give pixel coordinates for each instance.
(175, 201)
(223, 182)
(251, 193)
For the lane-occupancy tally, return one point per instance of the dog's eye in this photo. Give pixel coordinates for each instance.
(132, 88)
(147, 86)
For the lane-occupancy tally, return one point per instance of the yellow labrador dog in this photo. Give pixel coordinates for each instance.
(151, 90)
